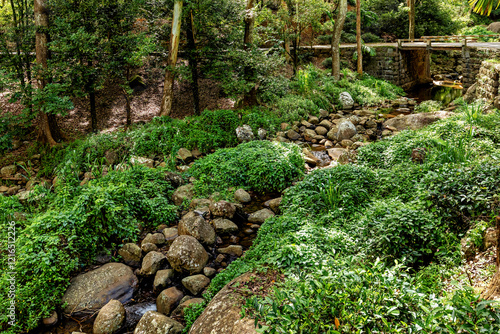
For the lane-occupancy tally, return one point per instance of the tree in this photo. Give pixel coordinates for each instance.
(484, 7)
(358, 37)
(411, 14)
(168, 88)
(249, 21)
(337, 30)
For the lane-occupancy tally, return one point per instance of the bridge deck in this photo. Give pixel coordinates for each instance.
(419, 45)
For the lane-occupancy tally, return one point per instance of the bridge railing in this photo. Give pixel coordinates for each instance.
(464, 39)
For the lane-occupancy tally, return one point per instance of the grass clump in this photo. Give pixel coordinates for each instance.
(428, 106)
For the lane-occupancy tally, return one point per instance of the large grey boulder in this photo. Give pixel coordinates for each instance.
(494, 27)
(110, 318)
(93, 290)
(152, 262)
(223, 209)
(187, 254)
(131, 254)
(223, 313)
(242, 196)
(416, 121)
(156, 323)
(346, 100)
(168, 299)
(224, 226)
(198, 228)
(196, 283)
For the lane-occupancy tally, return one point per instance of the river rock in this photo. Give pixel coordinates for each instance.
(199, 203)
(242, 196)
(326, 124)
(335, 153)
(52, 320)
(244, 133)
(274, 204)
(223, 313)
(168, 299)
(196, 283)
(162, 279)
(235, 250)
(345, 130)
(292, 134)
(185, 155)
(416, 121)
(494, 27)
(91, 291)
(198, 228)
(309, 134)
(131, 254)
(8, 170)
(110, 318)
(148, 247)
(346, 100)
(262, 133)
(224, 226)
(170, 234)
(155, 238)
(156, 323)
(135, 160)
(183, 193)
(223, 209)
(209, 272)
(187, 254)
(321, 130)
(152, 262)
(260, 216)
(332, 134)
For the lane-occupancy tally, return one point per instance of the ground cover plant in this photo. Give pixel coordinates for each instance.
(364, 246)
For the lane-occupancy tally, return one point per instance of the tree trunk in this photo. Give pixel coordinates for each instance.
(193, 63)
(411, 13)
(358, 37)
(249, 20)
(93, 111)
(42, 38)
(168, 89)
(337, 30)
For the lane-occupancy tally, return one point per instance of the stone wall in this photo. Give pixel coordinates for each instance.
(487, 81)
(471, 63)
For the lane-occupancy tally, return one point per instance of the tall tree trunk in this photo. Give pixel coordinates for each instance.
(42, 38)
(249, 20)
(93, 110)
(193, 62)
(411, 13)
(337, 31)
(168, 89)
(358, 37)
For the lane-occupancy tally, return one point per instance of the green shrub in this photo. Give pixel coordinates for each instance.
(428, 106)
(262, 166)
(294, 107)
(371, 38)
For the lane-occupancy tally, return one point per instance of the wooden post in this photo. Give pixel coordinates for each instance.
(168, 89)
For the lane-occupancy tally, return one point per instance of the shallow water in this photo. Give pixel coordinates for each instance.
(442, 91)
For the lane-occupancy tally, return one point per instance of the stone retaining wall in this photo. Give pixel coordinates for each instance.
(487, 80)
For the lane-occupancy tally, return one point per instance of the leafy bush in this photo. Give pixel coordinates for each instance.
(259, 165)
(78, 222)
(428, 106)
(480, 30)
(371, 38)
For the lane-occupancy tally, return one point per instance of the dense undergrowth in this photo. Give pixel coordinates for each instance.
(366, 247)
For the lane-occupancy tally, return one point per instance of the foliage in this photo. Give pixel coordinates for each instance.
(480, 30)
(191, 313)
(258, 165)
(64, 230)
(428, 106)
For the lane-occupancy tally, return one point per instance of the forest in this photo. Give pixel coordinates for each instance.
(249, 166)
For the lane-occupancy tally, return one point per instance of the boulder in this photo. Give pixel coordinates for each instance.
(260, 216)
(148, 247)
(131, 254)
(345, 130)
(223, 209)
(235, 250)
(335, 153)
(196, 283)
(135, 160)
(185, 155)
(320, 130)
(242, 196)
(187, 254)
(470, 95)
(52, 320)
(110, 318)
(292, 134)
(416, 121)
(155, 238)
(209, 272)
(262, 133)
(346, 100)
(152, 262)
(162, 279)
(8, 170)
(274, 204)
(168, 299)
(494, 27)
(156, 323)
(224, 226)
(170, 234)
(309, 134)
(244, 133)
(183, 193)
(198, 228)
(223, 313)
(175, 179)
(198, 203)
(92, 290)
